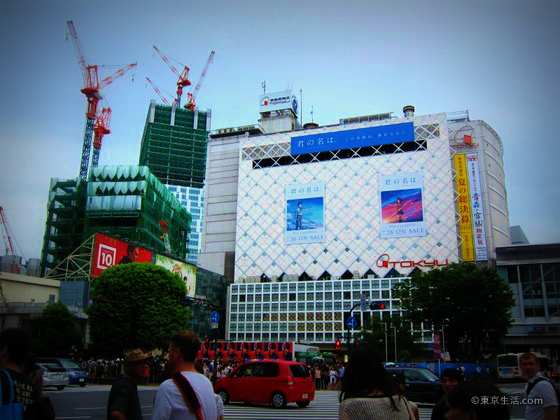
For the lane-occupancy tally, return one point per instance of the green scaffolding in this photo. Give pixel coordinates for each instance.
(176, 153)
(123, 201)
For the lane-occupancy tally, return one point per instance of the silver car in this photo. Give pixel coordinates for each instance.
(53, 375)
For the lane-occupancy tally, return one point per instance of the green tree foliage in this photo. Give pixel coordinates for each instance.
(136, 305)
(56, 331)
(399, 329)
(473, 303)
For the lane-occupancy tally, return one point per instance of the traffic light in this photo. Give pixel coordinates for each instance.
(357, 343)
(337, 345)
(376, 306)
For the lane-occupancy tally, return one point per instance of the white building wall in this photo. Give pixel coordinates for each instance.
(352, 208)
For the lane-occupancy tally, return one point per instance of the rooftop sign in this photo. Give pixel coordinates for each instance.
(351, 139)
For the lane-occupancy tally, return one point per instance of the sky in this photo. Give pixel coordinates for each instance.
(498, 59)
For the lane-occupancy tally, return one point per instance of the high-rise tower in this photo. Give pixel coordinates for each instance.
(174, 148)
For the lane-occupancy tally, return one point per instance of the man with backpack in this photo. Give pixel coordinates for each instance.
(538, 388)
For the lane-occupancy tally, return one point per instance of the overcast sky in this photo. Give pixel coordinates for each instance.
(497, 59)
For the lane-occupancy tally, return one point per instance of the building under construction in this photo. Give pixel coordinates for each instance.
(124, 201)
(174, 148)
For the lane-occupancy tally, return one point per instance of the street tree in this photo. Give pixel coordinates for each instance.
(56, 332)
(472, 303)
(392, 333)
(136, 305)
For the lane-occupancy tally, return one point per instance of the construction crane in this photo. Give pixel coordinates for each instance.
(191, 104)
(100, 128)
(6, 233)
(182, 76)
(92, 91)
(160, 94)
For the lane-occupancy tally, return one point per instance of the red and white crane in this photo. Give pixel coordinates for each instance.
(100, 128)
(92, 91)
(182, 76)
(8, 239)
(160, 93)
(191, 104)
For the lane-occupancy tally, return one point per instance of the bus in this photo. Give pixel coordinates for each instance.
(508, 365)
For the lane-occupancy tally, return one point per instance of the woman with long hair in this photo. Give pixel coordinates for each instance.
(369, 391)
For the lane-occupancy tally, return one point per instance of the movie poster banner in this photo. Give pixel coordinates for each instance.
(464, 207)
(305, 213)
(402, 211)
(186, 271)
(109, 251)
(475, 191)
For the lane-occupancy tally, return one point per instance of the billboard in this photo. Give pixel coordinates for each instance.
(464, 207)
(351, 139)
(186, 271)
(402, 211)
(276, 101)
(475, 191)
(305, 213)
(109, 251)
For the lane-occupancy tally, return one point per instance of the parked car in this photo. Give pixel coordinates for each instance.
(421, 384)
(53, 375)
(76, 374)
(275, 382)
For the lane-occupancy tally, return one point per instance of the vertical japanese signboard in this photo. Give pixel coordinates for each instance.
(464, 207)
(402, 212)
(475, 191)
(305, 213)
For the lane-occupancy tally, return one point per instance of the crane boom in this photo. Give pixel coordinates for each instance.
(182, 76)
(191, 104)
(6, 234)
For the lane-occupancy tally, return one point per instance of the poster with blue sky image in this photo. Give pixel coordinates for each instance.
(305, 213)
(402, 208)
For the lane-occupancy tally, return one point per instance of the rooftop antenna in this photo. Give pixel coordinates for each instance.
(263, 84)
(311, 113)
(301, 105)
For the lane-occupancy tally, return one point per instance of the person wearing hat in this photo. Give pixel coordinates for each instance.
(450, 378)
(124, 403)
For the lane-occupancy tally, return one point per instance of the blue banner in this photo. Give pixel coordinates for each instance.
(351, 139)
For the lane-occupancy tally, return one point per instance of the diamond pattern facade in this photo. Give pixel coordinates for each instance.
(352, 205)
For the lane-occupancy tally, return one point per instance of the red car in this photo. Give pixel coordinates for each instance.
(275, 382)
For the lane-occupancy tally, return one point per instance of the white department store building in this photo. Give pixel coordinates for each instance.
(378, 197)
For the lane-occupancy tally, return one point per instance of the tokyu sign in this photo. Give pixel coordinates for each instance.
(385, 261)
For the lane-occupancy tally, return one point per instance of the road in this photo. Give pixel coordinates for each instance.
(90, 403)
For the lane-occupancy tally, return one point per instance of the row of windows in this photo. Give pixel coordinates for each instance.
(312, 337)
(274, 326)
(316, 285)
(304, 306)
(311, 296)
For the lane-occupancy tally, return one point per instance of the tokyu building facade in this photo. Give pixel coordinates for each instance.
(321, 217)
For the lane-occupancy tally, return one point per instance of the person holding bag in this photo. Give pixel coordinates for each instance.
(188, 394)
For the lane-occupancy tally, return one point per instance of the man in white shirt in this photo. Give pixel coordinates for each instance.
(170, 403)
(538, 388)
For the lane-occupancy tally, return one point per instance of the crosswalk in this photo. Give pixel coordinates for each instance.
(324, 407)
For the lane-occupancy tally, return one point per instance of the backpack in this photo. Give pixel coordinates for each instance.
(540, 379)
(9, 409)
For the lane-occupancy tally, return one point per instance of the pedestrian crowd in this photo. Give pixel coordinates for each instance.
(367, 389)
